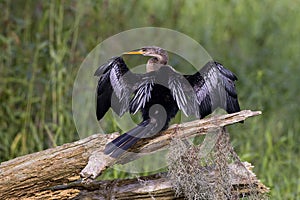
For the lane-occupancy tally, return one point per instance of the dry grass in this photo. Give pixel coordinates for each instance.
(190, 169)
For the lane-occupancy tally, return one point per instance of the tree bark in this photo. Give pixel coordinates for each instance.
(151, 187)
(54, 173)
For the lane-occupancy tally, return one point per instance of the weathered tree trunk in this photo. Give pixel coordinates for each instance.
(54, 173)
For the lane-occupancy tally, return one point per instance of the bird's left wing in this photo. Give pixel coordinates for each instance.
(214, 87)
(181, 90)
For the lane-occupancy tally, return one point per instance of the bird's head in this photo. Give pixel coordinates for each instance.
(159, 55)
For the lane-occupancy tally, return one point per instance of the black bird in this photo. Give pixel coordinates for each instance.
(160, 93)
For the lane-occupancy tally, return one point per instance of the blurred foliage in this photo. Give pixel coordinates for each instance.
(44, 42)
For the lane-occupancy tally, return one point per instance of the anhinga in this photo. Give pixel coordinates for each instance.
(160, 93)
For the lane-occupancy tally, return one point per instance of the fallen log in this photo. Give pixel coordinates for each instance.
(54, 173)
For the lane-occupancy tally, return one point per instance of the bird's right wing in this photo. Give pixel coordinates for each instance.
(143, 92)
(214, 87)
(115, 86)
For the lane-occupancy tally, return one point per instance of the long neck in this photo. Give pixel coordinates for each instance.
(155, 63)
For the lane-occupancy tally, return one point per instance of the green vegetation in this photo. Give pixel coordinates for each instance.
(44, 42)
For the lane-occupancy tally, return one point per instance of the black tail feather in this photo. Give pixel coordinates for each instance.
(122, 143)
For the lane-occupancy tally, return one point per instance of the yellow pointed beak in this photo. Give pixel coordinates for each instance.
(135, 52)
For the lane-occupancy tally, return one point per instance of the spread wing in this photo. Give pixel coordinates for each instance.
(181, 91)
(143, 92)
(214, 87)
(115, 86)
(177, 84)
